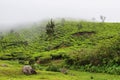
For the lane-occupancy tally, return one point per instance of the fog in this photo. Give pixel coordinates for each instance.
(14, 12)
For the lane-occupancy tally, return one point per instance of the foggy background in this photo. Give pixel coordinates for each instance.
(13, 12)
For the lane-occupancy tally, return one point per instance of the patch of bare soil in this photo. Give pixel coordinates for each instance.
(84, 33)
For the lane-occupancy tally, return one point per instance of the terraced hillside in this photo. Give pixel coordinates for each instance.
(74, 45)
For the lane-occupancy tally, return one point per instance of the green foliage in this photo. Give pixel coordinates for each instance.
(50, 28)
(31, 61)
(79, 43)
(24, 62)
(6, 57)
(15, 56)
(43, 60)
(52, 67)
(38, 67)
(13, 72)
(20, 55)
(60, 55)
(114, 69)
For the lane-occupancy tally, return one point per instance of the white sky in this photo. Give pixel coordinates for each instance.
(20, 11)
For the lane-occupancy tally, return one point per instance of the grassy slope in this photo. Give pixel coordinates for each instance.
(39, 46)
(13, 72)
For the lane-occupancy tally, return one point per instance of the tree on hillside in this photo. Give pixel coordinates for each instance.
(50, 28)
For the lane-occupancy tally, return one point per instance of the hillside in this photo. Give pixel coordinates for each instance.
(75, 45)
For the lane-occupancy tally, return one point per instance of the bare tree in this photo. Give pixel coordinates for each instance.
(103, 18)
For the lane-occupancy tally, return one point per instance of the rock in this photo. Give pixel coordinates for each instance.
(33, 71)
(27, 69)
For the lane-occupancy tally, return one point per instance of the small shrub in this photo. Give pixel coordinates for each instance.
(6, 57)
(31, 61)
(21, 62)
(57, 56)
(38, 66)
(20, 55)
(64, 70)
(53, 68)
(15, 56)
(43, 60)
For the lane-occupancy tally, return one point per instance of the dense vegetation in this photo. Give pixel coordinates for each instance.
(76, 45)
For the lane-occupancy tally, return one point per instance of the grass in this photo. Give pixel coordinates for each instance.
(13, 72)
(101, 47)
